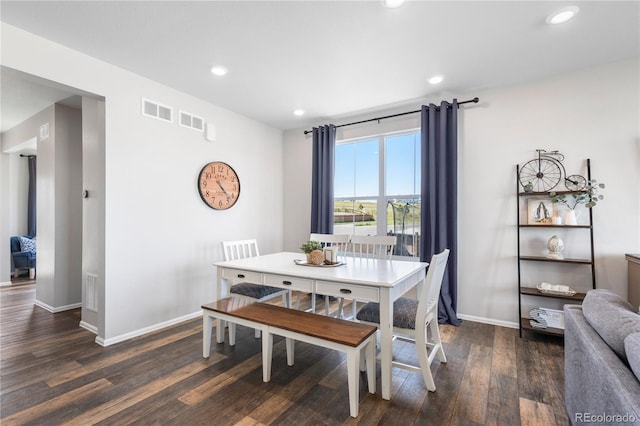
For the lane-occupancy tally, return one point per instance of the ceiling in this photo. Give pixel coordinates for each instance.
(334, 59)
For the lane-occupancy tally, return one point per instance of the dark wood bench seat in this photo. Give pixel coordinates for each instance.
(333, 333)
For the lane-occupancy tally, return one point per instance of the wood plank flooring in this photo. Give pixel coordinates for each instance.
(52, 373)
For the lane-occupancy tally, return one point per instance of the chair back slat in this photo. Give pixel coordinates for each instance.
(373, 246)
(339, 241)
(432, 283)
(241, 249)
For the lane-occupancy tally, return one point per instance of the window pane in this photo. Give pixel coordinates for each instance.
(402, 169)
(360, 174)
(356, 169)
(367, 165)
(354, 217)
(403, 219)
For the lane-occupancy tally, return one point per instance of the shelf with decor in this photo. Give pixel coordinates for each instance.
(555, 226)
(532, 291)
(546, 259)
(525, 325)
(535, 218)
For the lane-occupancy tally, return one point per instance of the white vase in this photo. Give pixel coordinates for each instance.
(570, 218)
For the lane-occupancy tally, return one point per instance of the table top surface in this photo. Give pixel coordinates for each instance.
(372, 272)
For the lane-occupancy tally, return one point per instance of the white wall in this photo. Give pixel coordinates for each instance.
(18, 197)
(5, 252)
(15, 185)
(593, 113)
(160, 239)
(19, 169)
(93, 143)
(46, 212)
(68, 207)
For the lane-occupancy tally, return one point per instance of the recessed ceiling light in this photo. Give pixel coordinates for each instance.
(392, 4)
(436, 79)
(562, 15)
(219, 70)
(298, 112)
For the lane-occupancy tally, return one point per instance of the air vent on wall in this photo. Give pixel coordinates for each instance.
(191, 121)
(91, 292)
(156, 110)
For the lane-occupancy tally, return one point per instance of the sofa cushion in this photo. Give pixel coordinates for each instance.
(611, 317)
(27, 244)
(632, 349)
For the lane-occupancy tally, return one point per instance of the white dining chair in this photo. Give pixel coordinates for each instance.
(414, 320)
(241, 249)
(339, 242)
(368, 247)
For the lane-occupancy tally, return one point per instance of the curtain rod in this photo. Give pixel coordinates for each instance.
(27, 156)
(474, 100)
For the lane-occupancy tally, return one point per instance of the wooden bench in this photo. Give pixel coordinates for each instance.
(332, 333)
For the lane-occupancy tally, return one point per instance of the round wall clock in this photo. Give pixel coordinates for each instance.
(218, 185)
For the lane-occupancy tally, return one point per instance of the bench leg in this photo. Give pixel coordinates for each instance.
(232, 334)
(353, 364)
(290, 353)
(267, 352)
(370, 357)
(220, 331)
(207, 324)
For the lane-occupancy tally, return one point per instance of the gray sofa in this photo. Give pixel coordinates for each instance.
(602, 361)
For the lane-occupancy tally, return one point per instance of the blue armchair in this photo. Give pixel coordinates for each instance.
(23, 252)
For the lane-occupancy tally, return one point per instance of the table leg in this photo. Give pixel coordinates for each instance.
(386, 342)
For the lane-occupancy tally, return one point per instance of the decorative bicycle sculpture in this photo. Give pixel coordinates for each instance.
(544, 173)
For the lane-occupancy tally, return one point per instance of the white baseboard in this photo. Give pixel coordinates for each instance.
(112, 340)
(5, 284)
(89, 327)
(59, 308)
(490, 321)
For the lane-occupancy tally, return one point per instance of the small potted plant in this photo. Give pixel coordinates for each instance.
(313, 249)
(589, 196)
(528, 187)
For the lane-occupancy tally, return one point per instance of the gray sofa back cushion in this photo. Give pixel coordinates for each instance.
(632, 349)
(612, 318)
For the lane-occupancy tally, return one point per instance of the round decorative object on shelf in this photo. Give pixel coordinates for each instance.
(555, 247)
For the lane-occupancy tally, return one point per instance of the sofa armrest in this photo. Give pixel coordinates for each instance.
(597, 382)
(24, 259)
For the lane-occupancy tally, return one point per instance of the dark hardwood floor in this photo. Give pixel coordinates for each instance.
(53, 373)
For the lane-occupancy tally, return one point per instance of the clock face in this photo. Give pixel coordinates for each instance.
(218, 185)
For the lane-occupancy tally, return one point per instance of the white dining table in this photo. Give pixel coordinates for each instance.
(370, 280)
